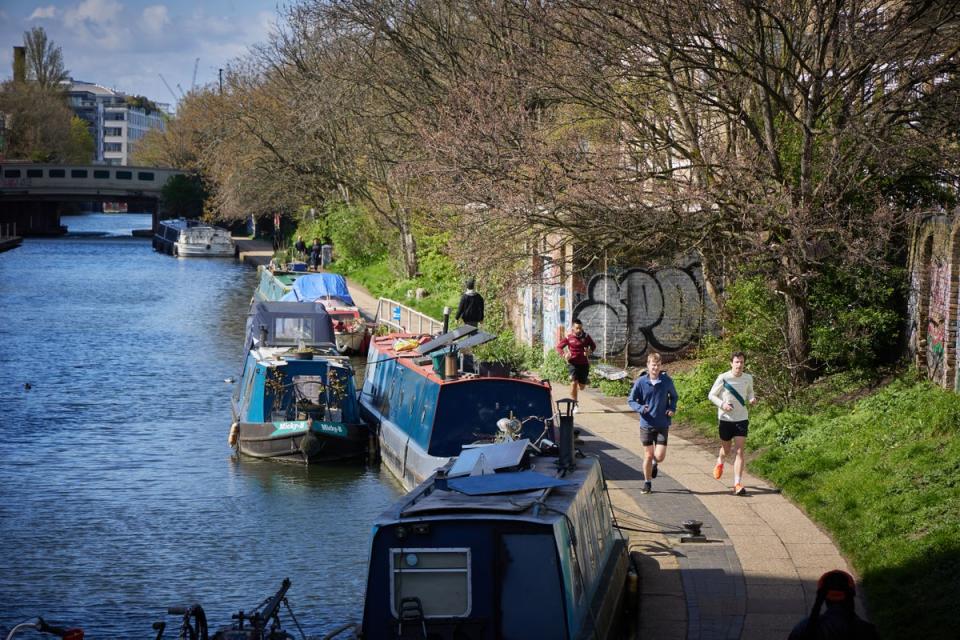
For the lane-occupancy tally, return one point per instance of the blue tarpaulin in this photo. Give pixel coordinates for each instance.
(504, 483)
(316, 286)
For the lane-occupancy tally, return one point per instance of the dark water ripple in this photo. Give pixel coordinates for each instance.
(118, 493)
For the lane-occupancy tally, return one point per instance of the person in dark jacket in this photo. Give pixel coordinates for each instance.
(579, 346)
(315, 251)
(300, 247)
(654, 397)
(840, 620)
(470, 309)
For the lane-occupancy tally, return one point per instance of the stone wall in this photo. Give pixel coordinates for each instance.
(933, 340)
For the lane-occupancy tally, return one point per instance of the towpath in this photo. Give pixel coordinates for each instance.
(753, 580)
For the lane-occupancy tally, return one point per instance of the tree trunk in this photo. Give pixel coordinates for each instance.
(408, 245)
(798, 336)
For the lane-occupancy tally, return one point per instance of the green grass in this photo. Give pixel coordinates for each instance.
(881, 473)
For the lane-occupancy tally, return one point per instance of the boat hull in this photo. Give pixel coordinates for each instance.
(305, 442)
(185, 250)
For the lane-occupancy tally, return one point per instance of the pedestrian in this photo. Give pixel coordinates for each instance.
(470, 309)
(654, 397)
(732, 392)
(840, 621)
(315, 254)
(579, 346)
(300, 247)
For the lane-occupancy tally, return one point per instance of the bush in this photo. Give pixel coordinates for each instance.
(554, 367)
(504, 350)
(357, 239)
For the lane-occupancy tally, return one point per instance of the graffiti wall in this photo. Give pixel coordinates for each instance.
(933, 339)
(639, 310)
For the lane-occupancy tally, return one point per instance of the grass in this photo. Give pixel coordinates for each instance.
(880, 469)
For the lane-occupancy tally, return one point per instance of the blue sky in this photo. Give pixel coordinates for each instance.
(125, 45)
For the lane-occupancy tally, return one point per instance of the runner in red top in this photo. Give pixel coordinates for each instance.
(579, 345)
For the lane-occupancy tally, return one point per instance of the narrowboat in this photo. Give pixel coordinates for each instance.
(296, 399)
(529, 551)
(192, 238)
(424, 407)
(330, 290)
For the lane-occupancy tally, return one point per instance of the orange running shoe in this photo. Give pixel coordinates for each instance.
(739, 490)
(718, 471)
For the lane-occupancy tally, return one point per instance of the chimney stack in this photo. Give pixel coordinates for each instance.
(19, 64)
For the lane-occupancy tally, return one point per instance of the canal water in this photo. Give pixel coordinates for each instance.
(119, 495)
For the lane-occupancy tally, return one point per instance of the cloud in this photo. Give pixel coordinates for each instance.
(98, 22)
(154, 19)
(41, 13)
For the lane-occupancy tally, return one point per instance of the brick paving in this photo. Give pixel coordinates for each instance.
(754, 578)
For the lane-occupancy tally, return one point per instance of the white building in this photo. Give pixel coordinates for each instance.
(115, 124)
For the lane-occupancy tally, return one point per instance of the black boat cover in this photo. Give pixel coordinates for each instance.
(289, 323)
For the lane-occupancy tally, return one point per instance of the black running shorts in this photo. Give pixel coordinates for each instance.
(653, 435)
(729, 430)
(579, 372)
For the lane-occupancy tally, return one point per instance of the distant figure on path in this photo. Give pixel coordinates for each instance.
(654, 398)
(840, 621)
(579, 345)
(732, 393)
(315, 254)
(470, 309)
(301, 248)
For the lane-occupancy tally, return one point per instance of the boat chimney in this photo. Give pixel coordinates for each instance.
(446, 319)
(567, 460)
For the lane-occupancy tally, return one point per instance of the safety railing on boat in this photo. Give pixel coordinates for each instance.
(400, 317)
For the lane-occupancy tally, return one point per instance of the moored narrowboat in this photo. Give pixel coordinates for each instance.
(526, 552)
(192, 238)
(296, 399)
(423, 416)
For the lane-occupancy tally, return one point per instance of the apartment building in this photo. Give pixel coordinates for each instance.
(114, 123)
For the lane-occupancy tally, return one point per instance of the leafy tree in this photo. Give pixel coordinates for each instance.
(44, 60)
(184, 195)
(37, 122)
(80, 145)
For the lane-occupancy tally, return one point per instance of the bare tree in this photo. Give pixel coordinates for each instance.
(44, 60)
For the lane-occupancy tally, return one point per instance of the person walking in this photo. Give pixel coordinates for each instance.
(300, 247)
(579, 346)
(470, 309)
(315, 251)
(654, 397)
(840, 621)
(732, 392)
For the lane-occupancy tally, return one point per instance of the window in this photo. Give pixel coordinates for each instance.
(145, 175)
(124, 175)
(440, 578)
(113, 146)
(101, 174)
(78, 173)
(34, 173)
(292, 330)
(112, 131)
(57, 173)
(11, 173)
(114, 116)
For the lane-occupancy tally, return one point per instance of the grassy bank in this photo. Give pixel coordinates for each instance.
(880, 469)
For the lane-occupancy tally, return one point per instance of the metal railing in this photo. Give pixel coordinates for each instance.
(400, 317)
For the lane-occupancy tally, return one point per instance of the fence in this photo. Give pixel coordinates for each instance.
(402, 318)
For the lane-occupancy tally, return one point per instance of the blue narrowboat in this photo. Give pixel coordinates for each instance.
(526, 552)
(296, 399)
(423, 414)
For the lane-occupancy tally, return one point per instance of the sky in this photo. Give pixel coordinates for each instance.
(126, 45)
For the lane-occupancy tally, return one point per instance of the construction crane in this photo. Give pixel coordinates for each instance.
(170, 89)
(193, 83)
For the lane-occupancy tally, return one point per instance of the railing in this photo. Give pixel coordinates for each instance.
(402, 318)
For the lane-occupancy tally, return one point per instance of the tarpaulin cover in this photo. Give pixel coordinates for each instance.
(316, 286)
(504, 483)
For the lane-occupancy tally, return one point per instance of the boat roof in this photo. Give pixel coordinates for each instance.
(184, 223)
(413, 358)
(280, 356)
(267, 314)
(541, 494)
(316, 286)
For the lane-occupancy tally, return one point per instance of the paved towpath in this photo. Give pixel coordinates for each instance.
(753, 580)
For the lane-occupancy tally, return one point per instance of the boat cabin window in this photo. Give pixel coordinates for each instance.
(292, 330)
(439, 577)
(171, 234)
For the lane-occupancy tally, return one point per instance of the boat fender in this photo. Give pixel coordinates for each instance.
(234, 434)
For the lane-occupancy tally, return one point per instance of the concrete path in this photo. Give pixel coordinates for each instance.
(754, 579)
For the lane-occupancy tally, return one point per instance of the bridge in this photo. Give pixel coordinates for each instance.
(33, 196)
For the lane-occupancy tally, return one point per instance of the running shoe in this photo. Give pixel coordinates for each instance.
(718, 471)
(739, 490)
(647, 487)
(655, 467)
